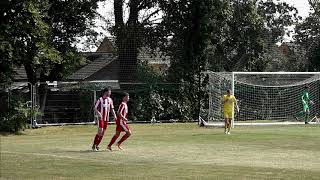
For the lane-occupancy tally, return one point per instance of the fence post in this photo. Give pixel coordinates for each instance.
(94, 101)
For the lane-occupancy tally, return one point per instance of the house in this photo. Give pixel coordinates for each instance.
(106, 67)
(287, 47)
(71, 101)
(103, 65)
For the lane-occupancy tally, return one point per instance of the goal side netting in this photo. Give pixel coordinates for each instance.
(263, 97)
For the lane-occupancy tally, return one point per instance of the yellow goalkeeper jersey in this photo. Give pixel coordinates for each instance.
(228, 105)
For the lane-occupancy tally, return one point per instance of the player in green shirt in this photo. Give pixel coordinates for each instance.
(305, 99)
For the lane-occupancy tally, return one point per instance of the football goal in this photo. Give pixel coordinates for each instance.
(263, 97)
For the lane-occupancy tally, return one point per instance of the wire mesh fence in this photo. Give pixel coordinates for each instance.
(73, 102)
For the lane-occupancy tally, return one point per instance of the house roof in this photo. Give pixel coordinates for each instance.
(145, 53)
(104, 66)
(20, 74)
(102, 60)
(107, 45)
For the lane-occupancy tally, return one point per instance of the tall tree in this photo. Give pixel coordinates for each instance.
(41, 35)
(253, 30)
(25, 32)
(189, 26)
(241, 43)
(308, 36)
(131, 33)
(70, 21)
(6, 49)
(278, 17)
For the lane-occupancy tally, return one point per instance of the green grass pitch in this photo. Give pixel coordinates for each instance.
(164, 151)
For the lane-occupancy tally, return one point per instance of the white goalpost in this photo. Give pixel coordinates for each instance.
(264, 98)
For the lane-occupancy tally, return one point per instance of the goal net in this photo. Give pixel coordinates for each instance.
(263, 97)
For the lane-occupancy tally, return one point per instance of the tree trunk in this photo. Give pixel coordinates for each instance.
(127, 40)
(31, 74)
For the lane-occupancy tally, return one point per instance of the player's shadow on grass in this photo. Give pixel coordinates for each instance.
(88, 151)
(213, 134)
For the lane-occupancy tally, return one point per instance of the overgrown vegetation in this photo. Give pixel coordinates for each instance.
(16, 118)
(156, 98)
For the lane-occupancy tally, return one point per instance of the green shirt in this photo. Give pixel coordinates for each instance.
(305, 97)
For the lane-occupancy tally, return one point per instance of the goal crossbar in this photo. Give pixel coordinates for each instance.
(279, 72)
(276, 72)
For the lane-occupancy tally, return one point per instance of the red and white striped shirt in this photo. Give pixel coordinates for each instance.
(104, 105)
(123, 110)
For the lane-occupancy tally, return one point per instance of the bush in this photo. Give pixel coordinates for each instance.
(159, 99)
(148, 105)
(162, 103)
(16, 118)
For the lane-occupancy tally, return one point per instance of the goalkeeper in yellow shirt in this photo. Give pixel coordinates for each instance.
(228, 104)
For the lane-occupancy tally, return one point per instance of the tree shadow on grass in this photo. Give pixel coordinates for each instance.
(3, 133)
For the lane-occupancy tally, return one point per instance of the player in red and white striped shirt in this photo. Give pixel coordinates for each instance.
(121, 122)
(103, 107)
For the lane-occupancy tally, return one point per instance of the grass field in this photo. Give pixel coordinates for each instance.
(164, 151)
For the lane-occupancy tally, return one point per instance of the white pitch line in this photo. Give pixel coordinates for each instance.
(220, 124)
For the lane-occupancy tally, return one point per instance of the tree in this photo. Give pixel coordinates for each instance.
(219, 36)
(40, 35)
(253, 29)
(70, 20)
(189, 27)
(308, 36)
(287, 57)
(277, 17)
(131, 33)
(43, 34)
(25, 33)
(241, 45)
(6, 49)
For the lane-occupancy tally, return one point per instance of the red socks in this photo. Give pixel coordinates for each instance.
(97, 139)
(123, 138)
(114, 138)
